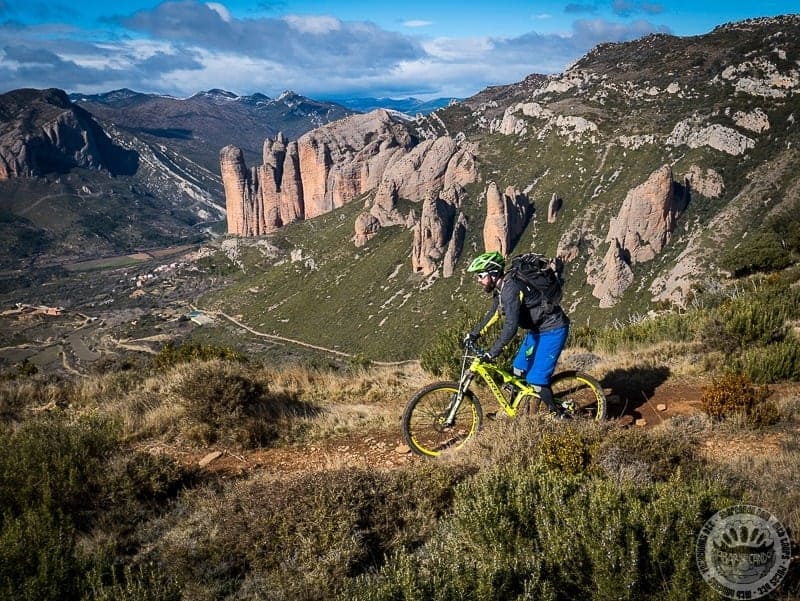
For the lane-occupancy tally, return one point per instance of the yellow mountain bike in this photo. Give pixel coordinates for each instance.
(445, 415)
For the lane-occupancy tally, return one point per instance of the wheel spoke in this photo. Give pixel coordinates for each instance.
(579, 394)
(424, 425)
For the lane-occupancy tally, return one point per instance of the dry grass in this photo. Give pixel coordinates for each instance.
(762, 464)
(154, 408)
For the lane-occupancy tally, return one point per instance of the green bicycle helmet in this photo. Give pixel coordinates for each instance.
(488, 261)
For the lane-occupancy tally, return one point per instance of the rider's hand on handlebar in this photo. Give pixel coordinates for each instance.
(469, 340)
(487, 358)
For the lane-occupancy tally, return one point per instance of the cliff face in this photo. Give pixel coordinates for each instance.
(507, 215)
(43, 132)
(324, 169)
(637, 234)
(330, 166)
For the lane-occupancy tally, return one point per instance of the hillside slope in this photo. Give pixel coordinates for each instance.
(715, 114)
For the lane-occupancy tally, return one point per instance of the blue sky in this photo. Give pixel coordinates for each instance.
(327, 49)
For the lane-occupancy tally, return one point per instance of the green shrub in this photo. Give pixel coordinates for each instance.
(304, 538)
(541, 534)
(642, 457)
(764, 251)
(753, 333)
(37, 555)
(145, 478)
(583, 336)
(171, 354)
(225, 403)
(668, 326)
(772, 363)
(786, 225)
(58, 477)
(57, 464)
(443, 357)
(744, 322)
(564, 450)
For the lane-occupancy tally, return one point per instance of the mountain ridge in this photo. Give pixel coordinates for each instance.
(710, 140)
(710, 120)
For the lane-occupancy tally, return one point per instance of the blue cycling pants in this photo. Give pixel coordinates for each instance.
(538, 354)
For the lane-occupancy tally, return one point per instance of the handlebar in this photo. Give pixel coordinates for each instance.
(471, 350)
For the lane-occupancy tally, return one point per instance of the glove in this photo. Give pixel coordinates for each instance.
(487, 358)
(469, 339)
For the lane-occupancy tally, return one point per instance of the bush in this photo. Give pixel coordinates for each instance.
(565, 450)
(773, 363)
(752, 331)
(226, 404)
(642, 457)
(304, 538)
(743, 322)
(59, 478)
(734, 395)
(540, 534)
(170, 354)
(144, 478)
(764, 251)
(443, 357)
(37, 555)
(56, 464)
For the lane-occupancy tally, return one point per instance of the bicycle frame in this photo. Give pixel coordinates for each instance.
(445, 414)
(487, 372)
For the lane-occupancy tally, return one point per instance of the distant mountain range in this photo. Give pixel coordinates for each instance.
(200, 125)
(410, 106)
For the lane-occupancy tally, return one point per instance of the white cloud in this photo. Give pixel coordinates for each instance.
(417, 23)
(221, 11)
(313, 25)
(458, 49)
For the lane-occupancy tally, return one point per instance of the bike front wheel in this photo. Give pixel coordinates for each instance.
(424, 420)
(579, 394)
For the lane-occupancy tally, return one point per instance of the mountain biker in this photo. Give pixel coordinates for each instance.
(547, 325)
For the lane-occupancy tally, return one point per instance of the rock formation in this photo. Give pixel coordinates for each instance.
(714, 136)
(42, 132)
(431, 234)
(367, 226)
(637, 234)
(617, 275)
(330, 166)
(647, 217)
(324, 169)
(242, 194)
(553, 208)
(708, 183)
(455, 247)
(506, 217)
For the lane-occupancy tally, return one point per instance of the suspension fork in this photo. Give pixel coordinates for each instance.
(463, 385)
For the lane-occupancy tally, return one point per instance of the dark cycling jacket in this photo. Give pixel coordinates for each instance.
(518, 310)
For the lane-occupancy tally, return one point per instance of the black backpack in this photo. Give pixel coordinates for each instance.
(540, 274)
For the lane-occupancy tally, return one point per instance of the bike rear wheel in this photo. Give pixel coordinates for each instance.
(423, 424)
(579, 394)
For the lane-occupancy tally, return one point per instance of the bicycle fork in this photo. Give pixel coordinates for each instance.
(455, 403)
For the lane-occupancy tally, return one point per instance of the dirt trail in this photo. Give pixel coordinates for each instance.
(386, 449)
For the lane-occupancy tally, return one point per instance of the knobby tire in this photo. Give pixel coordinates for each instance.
(423, 427)
(581, 390)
